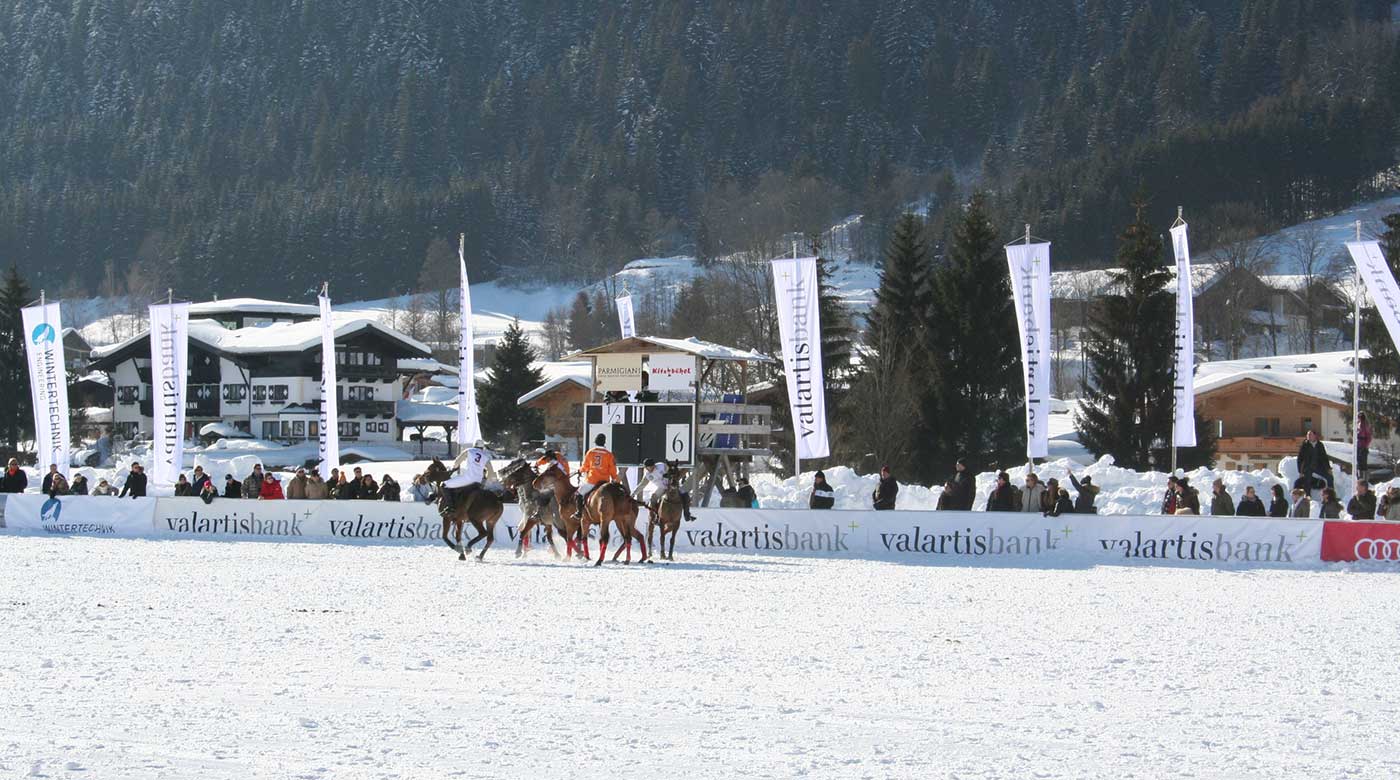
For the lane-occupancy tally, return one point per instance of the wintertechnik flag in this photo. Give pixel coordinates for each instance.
(799, 325)
(468, 423)
(1184, 366)
(1030, 290)
(330, 414)
(1380, 283)
(169, 359)
(48, 384)
(625, 318)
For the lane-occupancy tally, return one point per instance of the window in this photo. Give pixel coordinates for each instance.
(125, 430)
(278, 392)
(359, 393)
(270, 429)
(349, 429)
(373, 359)
(1266, 426)
(299, 429)
(1307, 425)
(127, 395)
(259, 394)
(313, 430)
(235, 394)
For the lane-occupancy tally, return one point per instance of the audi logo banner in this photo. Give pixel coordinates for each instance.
(1366, 542)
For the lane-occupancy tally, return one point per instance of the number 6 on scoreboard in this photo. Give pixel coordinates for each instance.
(678, 442)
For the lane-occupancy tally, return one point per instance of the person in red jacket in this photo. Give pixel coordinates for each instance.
(271, 488)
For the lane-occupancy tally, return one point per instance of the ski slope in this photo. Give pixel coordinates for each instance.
(144, 659)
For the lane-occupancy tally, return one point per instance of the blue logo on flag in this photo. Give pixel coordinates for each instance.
(43, 332)
(51, 510)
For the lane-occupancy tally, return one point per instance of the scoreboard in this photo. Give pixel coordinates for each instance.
(638, 431)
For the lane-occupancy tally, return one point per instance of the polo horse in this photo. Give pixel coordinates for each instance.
(482, 508)
(611, 503)
(554, 480)
(665, 514)
(538, 508)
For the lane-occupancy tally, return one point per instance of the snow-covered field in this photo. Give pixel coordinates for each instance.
(142, 659)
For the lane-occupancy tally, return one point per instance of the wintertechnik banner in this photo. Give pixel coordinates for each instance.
(468, 423)
(625, 319)
(329, 438)
(799, 325)
(48, 384)
(1184, 379)
(1030, 289)
(169, 359)
(1380, 283)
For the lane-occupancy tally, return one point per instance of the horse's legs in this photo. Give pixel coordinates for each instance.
(602, 543)
(490, 532)
(461, 551)
(522, 543)
(675, 531)
(446, 529)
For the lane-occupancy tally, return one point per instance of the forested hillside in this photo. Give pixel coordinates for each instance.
(245, 146)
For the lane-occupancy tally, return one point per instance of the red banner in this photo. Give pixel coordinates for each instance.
(1343, 541)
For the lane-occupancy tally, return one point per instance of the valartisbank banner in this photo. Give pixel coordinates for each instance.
(992, 538)
(1361, 541)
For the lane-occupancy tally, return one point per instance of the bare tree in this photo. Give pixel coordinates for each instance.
(876, 428)
(438, 282)
(1320, 270)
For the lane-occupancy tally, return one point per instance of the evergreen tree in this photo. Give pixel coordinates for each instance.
(837, 331)
(512, 375)
(971, 402)
(1128, 391)
(902, 296)
(1380, 370)
(16, 417)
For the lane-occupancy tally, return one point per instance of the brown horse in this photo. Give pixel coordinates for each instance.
(553, 479)
(482, 508)
(666, 515)
(610, 503)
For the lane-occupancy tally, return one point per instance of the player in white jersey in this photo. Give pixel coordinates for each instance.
(473, 471)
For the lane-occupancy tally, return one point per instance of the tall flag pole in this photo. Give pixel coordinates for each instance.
(799, 328)
(468, 421)
(48, 382)
(1029, 265)
(626, 320)
(1370, 265)
(329, 438)
(169, 336)
(1184, 367)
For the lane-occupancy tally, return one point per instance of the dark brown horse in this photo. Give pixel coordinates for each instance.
(553, 479)
(610, 503)
(665, 514)
(482, 508)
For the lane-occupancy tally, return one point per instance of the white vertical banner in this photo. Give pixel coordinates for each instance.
(48, 384)
(329, 438)
(468, 422)
(169, 359)
(625, 318)
(1380, 283)
(799, 325)
(1184, 344)
(1030, 289)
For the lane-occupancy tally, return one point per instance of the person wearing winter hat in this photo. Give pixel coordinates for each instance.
(823, 497)
(961, 487)
(1088, 491)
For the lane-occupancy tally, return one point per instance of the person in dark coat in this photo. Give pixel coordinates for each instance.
(333, 485)
(183, 488)
(947, 497)
(198, 480)
(1362, 506)
(208, 493)
(55, 485)
(252, 485)
(15, 480)
(823, 497)
(1172, 497)
(388, 489)
(354, 485)
(1060, 504)
(369, 491)
(1331, 507)
(745, 493)
(1221, 503)
(1003, 497)
(1314, 467)
(1088, 491)
(888, 491)
(1188, 501)
(79, 487)
(232, 488)
(135, 483)
(964, 489)
(1250, 505)
(47, 487)
(1278, 505)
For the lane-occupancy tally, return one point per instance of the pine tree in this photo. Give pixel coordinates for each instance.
(971, 403)
(1128, 390)
(902, 296)
(837, 331)
(512, 375)
(1380, 370)
(15, 403)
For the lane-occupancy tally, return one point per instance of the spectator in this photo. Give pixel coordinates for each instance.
(1221, 504)
(946, 496)
(1032, 494)
(1278, 505)
(1060, 505)
(208, 493)
(55, 484)
(316, 488)
(333, 483)
(271, 489)
(353, 485)
(79, 487)
(198, 481)
(1003, 497)
(296, 486)
(1314, 467)
(886, 494)
(823, 497)
(963, 487)
(1188, 501)
(388, 489)
(47, 488)
(1362, 506)
(1331, 507)
(253, 484)
(368, 490)
(103, 489)
(183, 488)
(231, 487)
(344, 489)
(1173, 494)
(1250, 505)
(1050, 496)
(135, 483)
(1302, 505)
(1088, 491)
(1390, 504)
(420, 491)
(747, 496)
(15, 480)
(1363, 444)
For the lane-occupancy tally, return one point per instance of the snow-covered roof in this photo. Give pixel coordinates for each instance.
(692, 345)
(252, 306)
(1297, 283)
(557, 373)
(273, 337)
(428, 365)
(1320, 375)
(96, 377)
(417, 412)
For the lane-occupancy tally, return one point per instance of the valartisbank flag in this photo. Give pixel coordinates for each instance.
(329, 438)
(1380, 283)
(468, 421)
(169, 359)
(1184, 378)
(1030, 289)
(48, 384)
(799, 326)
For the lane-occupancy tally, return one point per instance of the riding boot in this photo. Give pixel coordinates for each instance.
(685, 507)
(578, 505)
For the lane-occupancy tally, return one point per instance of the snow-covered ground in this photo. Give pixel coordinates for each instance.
(187, 659)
